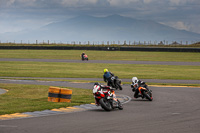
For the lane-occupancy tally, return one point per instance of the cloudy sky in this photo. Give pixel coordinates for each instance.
(17, 15)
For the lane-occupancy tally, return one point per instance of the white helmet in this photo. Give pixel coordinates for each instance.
(96, 88)
(134, 80)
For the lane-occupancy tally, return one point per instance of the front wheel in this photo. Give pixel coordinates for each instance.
(147, 96)
(105, 104)
(120, 106)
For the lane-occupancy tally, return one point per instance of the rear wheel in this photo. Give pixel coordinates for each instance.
(105, 104)
(119, 86)
(147, 96)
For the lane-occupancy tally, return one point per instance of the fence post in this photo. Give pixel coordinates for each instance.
(124, 42)
(119, 42)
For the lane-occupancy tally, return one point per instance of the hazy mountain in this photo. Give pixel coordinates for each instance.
(110, 28)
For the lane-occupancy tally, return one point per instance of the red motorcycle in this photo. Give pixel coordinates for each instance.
(85, 57)
(107, 99)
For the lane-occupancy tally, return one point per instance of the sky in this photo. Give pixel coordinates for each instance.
(18, 15)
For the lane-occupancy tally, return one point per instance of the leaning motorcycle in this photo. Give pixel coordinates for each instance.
(107, 100)
(116, 82)
(146, 93)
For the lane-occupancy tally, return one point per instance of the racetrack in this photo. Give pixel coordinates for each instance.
(174, 109)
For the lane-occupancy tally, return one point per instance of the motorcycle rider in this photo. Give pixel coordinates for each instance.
(107, 77)
(82, 55)
(135, 85)
(98, 89)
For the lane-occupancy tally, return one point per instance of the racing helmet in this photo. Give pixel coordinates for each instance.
(135, 81)
(97, 87)
(97, 83)
(105, 70)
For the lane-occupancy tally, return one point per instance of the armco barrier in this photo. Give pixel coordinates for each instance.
(160, 49)
(57, 94)
(106, 48)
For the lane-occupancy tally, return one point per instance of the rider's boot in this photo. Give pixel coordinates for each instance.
(96, 102)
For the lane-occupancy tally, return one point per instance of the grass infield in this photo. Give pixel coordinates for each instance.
(102, 55)
(95, 70)
(27, 98)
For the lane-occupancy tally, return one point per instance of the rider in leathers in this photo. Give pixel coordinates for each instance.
(98, 88)
(82, 55)
(136, 84)
(107, 77)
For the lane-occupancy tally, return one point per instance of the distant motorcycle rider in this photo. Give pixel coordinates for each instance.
(82, 55)
(136, 84)
(98, 89)
(107, 77)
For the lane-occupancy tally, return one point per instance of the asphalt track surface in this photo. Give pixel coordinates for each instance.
(174, 109)
(107, 61)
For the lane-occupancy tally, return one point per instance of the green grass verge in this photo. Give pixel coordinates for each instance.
(95, 70)
(102, 55)
(26, 98)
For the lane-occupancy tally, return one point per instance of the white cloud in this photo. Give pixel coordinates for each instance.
(147, 1)
(182, 2)
(121, 3)
(6, 3)
(179, 25)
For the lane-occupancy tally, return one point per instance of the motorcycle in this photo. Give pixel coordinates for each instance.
(146, 93)
(115, 83)
(85, 57)
(107, 99)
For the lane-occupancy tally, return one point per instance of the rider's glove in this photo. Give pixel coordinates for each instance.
(133, 89)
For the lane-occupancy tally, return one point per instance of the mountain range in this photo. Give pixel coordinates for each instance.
(110, 28)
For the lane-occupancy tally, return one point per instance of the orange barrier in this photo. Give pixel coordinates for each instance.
(65, 95)
(54, 94)
(57, 94)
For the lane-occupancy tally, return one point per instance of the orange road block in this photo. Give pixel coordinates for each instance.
(57, 94)
(54, 93)
(65, 95)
